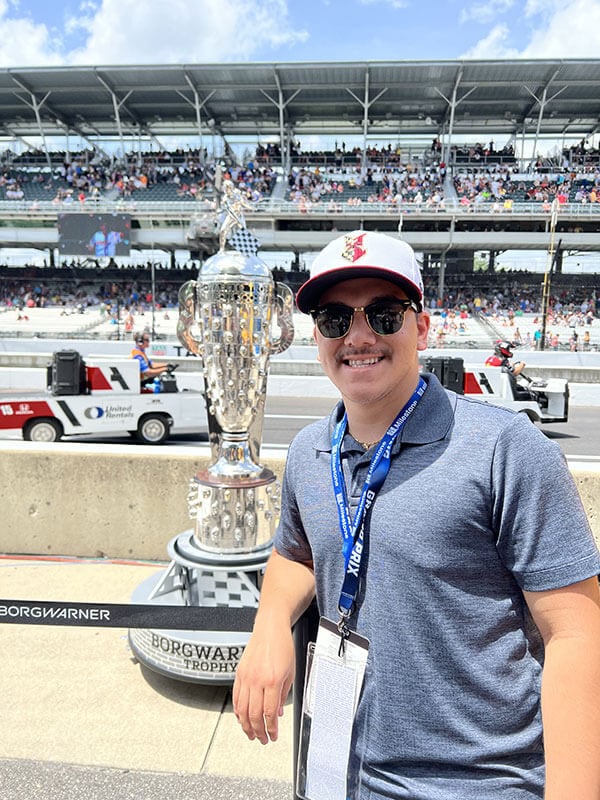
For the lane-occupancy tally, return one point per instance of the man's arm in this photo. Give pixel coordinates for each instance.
(569, 621)
(266, 670)
(148, 369)
(154, 370)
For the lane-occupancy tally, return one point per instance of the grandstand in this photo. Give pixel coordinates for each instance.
(412, 164)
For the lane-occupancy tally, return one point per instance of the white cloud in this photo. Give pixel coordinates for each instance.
(23, 42)
(154, 31)
(485, 12)
(175, 31)
(533, 7)
(494, 45)
(570, 30)
(557, 29)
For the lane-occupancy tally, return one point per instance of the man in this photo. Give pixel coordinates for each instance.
(113, 238)
(148, 369)
(502, 358)
(477, 560)
(97, 244)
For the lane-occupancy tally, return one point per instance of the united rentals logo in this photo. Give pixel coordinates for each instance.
(353, 247)
(110, 411)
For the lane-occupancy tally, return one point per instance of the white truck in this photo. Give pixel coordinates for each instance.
(543, 401)
(102, 396)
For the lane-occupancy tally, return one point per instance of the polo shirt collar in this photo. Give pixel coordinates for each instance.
(431, 420)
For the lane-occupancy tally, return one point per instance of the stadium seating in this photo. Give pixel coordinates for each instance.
(83, 299)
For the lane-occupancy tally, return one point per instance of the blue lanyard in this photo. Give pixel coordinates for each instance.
(353, 530)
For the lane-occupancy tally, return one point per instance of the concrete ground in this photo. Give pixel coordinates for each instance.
(81, 718)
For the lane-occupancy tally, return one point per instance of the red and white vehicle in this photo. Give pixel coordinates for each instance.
(102, 396)
(543, 401)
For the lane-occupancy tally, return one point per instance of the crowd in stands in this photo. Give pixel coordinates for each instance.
(126, 298)
(582, 155)
(504, 186)
(181, 175)
(569, 317)
(479, 153)
(386, 185)
(482, 174)
(569, 331)
(386, 157)
(505, 299)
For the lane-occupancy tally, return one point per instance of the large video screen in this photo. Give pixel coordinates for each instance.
(94, 235)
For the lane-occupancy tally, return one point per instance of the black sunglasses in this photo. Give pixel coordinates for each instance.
(384, 317)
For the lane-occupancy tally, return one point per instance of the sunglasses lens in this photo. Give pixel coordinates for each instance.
(333, 322)
(385, 319)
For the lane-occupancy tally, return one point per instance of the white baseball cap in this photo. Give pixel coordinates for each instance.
(362, 254)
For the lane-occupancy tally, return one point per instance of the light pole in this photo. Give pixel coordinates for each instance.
(550, 264)
(153, 289)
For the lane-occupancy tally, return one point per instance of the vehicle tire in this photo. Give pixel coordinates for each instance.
(153, 429)
(43, 430)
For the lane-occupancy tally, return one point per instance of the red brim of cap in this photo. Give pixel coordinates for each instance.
(308, 295)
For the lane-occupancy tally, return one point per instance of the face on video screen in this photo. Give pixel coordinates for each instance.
(94, 235)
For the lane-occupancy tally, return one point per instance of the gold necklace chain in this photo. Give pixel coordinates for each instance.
(366, 445)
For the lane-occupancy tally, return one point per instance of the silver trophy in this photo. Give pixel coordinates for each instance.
(226, 318)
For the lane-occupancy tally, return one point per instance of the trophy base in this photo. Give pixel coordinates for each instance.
(185, 550)
(234, 515)
(230, 584)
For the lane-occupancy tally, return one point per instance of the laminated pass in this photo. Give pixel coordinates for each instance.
(335, 673)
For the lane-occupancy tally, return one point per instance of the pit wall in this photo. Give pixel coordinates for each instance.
(97, 500)
(126, 503)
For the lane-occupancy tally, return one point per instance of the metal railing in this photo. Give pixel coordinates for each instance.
(48, 210)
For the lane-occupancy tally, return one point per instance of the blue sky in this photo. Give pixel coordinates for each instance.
(67, 32)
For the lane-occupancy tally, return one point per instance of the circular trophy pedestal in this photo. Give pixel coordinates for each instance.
(194, 577)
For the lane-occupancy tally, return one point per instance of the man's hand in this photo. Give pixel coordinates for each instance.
(266, 670)
(263, 680)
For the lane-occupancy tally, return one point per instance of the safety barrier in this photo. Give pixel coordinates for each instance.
(98, 500)
(127, 502)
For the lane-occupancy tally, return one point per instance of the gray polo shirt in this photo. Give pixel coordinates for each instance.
(478, 505)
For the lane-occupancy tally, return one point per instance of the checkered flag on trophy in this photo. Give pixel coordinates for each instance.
(244, 242)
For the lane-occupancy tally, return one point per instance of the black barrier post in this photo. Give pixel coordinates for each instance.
(305, 631)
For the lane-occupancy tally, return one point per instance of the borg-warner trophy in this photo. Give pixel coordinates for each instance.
(226, 318)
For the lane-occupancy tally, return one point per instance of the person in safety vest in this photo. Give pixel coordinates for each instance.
(148, 369)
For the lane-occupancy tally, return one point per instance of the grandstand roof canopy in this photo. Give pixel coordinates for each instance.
(546, 98)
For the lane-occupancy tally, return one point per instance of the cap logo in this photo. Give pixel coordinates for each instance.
(353, 247)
